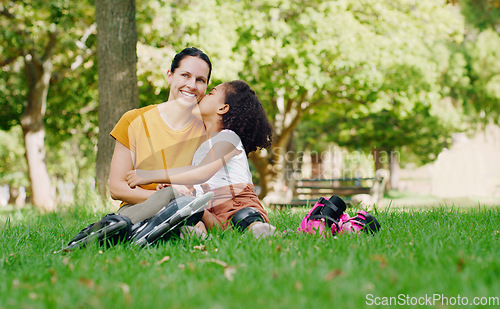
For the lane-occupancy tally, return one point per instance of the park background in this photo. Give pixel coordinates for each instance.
(415, 84)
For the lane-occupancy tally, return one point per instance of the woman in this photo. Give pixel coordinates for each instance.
(160, 136)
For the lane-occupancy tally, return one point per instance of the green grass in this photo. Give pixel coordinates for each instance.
(417, 253)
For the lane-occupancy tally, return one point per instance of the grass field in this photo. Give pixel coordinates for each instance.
(417, 257)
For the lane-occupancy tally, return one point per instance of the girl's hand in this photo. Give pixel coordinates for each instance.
(162, 185)
(133, 179)
(182, 190)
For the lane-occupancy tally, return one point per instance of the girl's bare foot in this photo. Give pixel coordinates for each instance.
(260, 229)
(190, 231)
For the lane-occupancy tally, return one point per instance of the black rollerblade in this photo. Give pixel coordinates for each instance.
(177, 212)
(109, 230)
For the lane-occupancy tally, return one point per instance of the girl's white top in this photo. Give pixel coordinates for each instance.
(235, 171)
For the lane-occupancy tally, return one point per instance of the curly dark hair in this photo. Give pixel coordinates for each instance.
(246, 116)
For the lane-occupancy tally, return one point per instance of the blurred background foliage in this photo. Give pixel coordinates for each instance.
(396, 75)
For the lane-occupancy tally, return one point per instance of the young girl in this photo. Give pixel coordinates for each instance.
(236, 125)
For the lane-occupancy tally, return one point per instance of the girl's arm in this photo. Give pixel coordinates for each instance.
(218, 155)
(121, 164)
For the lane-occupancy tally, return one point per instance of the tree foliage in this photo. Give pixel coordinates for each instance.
(41, 39)
(26, 28)
(483, 14)
(392, 74)
(361, 73)
(471, 76)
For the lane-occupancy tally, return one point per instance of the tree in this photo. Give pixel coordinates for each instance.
(355, 58)
(394, 108)
(118, 92)
(305, 60)
(36, 44)
(296, 60)
(346, 68)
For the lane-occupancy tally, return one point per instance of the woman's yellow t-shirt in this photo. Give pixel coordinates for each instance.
(153, 144)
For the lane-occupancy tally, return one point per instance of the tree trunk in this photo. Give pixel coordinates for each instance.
(272, 167)
(38, 73)
(378, 158)
(263, 167)
(394, 170)
(42, 195)
(117, 59)
(17, 196)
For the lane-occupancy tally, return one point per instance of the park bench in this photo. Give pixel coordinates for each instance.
(352, 190)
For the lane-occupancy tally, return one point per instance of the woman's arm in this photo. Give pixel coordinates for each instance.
(220, 153)
(121, 164)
